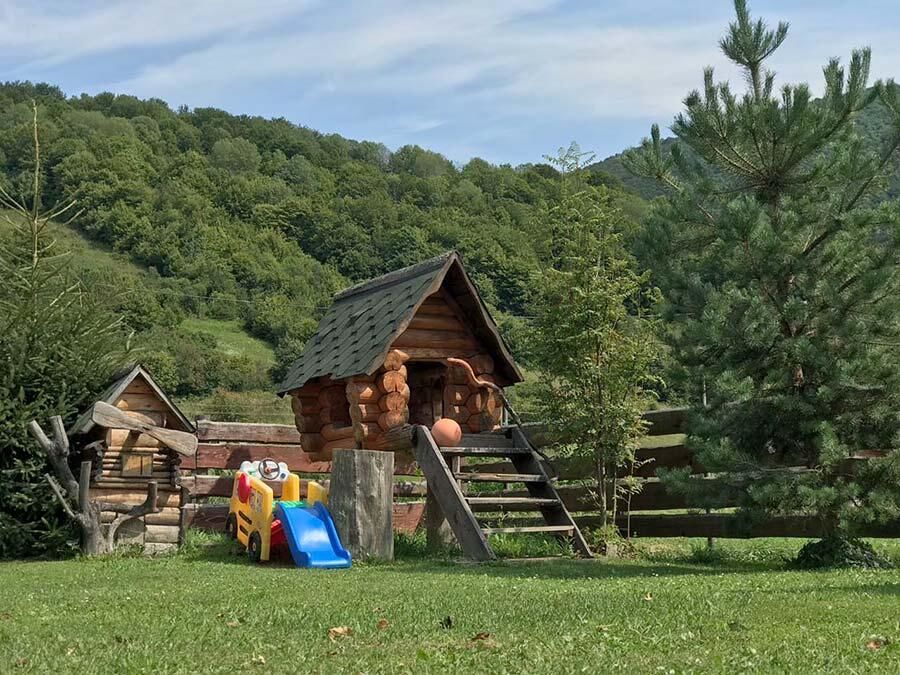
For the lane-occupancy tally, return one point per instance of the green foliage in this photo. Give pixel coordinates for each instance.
(779, 263)
(594, 332)
(839, 552)
(261, 221)
(59, 345)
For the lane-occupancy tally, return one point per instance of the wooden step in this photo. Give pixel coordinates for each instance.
(500, 477)
(510, 503)
(485, 452)
(559, 529)
(485, 441)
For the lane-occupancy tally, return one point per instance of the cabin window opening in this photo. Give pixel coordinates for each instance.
(137, 464)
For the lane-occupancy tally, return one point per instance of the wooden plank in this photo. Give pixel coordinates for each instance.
(412, 338)
(500, 477)
(407, 516)
(165, 496)
(141, 403)
(139, 386)
(249, 433)
(205, 516)
(410, 489)
(442, 322)
(491, 503)
(128, 440)
(161, 534)
(202, 486)
(432, 353)
(231, 455)
(484, 452)
(450, 498)
(486, 440)
(559, 514)
(554, 529)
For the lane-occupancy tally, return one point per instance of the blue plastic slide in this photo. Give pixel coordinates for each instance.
(311, 536)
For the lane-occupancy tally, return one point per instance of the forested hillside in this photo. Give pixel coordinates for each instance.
(241, 221)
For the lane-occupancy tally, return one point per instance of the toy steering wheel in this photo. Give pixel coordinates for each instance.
(269, 469)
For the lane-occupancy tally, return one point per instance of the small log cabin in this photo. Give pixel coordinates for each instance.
(123, 461)
(377, 359)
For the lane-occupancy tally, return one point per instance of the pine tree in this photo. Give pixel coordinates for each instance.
(594, 336)
(58, 348)
(779, 263)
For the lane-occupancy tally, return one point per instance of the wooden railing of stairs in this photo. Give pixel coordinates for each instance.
(443, 468)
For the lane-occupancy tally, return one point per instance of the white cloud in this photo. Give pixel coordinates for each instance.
(60, 32)
(493, 61)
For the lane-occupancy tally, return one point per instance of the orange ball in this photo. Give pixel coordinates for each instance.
(446, 432)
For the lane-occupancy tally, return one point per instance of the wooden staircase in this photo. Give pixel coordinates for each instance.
(446, 474)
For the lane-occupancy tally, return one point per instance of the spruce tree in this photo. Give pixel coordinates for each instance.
(778, 257)
(59, 346)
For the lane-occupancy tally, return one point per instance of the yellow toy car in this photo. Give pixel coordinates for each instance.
(262, 524)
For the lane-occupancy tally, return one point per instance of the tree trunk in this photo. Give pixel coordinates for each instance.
(361, 501)
(600, 467)
(74, 496)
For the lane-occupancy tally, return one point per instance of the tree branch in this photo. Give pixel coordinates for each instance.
(60, 495)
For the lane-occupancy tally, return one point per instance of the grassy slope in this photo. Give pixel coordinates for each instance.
(232, 339)
(206, 612)
(88, 255)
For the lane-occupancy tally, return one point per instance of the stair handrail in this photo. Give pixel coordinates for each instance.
(475, 381)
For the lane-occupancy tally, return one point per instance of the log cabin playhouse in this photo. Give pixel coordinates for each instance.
(124, 462)
(377, 375)
(377, 360)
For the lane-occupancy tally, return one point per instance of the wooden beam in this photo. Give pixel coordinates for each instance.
(447, 493)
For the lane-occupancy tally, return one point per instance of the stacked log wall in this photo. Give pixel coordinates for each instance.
(120, 474)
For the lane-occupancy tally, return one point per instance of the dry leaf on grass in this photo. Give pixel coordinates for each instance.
(339, 631)
(233, 624)
(482, 640)
(648, 597)
(382, 624)
(876, 643)
(258, 660)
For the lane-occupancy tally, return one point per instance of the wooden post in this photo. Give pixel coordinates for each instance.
(438, 533)
(361, 501)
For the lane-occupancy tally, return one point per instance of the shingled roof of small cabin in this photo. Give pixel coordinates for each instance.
(84, 423)
(356, 333)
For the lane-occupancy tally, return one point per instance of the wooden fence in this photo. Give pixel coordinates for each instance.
(651, 508)
(223, 446)
(655, 512)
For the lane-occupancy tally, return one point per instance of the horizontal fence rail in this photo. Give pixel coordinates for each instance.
(224, 446)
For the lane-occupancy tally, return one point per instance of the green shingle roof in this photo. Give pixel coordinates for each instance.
(357, 331)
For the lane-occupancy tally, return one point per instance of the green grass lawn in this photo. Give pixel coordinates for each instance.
(207, 610)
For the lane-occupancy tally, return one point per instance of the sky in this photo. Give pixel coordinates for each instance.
(509, 81)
